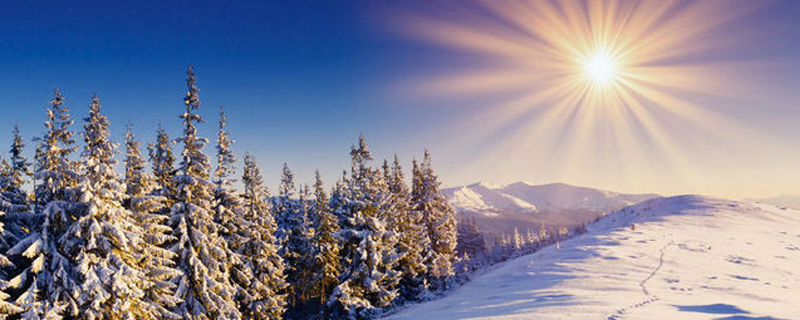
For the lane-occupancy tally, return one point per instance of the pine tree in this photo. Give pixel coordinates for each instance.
(149, 210)
(202, 255)
(265, 297)
(325, 246)
(413, 240)
(163, 162)
(439, 219)
(18, 168)
(57, 173)
(369, 279)
(104, 242)
(228, 211)
(48, 280)
(305, 272)
(470, 239)
(517, 242)
(294, 236)
(225, 202)
(6, 241)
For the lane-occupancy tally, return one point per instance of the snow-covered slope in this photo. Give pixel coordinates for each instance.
(685, 257)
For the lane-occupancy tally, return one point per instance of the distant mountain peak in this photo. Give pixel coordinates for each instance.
(484, 184)
(522, 196)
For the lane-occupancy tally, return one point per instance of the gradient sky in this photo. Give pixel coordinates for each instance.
(301, 79)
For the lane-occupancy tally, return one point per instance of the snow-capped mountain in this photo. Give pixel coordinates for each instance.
(685, 257)
(526, 206)
(489, 199)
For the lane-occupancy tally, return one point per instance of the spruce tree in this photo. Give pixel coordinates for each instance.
(325, 246)
(265, 297)
(225, 202)
(56, 172)
(369, 279)
(412, 237)
(302, 238)
(202, 255)
(104, 243)
(438, 217)
(228, 211)
(18, 169)
(163, 162)
(7, 239)
(470, 239)
(293, 234)
(48, 281)
(148, 209)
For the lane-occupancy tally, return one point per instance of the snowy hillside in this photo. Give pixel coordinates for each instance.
(685, 257)
(525, 206)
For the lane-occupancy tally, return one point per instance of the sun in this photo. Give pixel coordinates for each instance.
(600, 68)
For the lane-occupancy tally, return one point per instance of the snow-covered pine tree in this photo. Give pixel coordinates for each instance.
(225, 202)
(413, 240)
(16, 216)
(104, 243)
(163, 162)
(439, 219)
(202, 255)
(284, 208)
(517, 242)
(48, 282)
(18, 169)
(470, 239)
(6, 240)
(56, 172)
(325, 247)
(294, 236)
(227, 208)
(148, 208)
(304, 268)
(265, 299)
(369, 279)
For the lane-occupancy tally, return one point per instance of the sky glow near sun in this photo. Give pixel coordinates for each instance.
(622, 95)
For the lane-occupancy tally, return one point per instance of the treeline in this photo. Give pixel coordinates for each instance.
(475, 254)
(178, 241)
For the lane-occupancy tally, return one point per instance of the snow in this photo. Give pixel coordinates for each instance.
(490, 199)
(686, 257)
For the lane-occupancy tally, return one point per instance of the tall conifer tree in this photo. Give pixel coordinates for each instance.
(438, 217)
(265, 297)
(148, 209)
(202, 255)
(48, 281)
(369, 279)
(413, 242)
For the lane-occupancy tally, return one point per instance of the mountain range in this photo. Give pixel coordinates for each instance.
(522, 205)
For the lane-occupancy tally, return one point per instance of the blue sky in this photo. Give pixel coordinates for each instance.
(300, 79)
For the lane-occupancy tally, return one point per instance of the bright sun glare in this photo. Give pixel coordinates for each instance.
(619, 82)
(600, 68)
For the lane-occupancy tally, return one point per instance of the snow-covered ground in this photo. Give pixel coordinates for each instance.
(686, 257)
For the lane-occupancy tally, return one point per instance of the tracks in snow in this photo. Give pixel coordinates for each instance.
(658, 267)
(619, 313)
